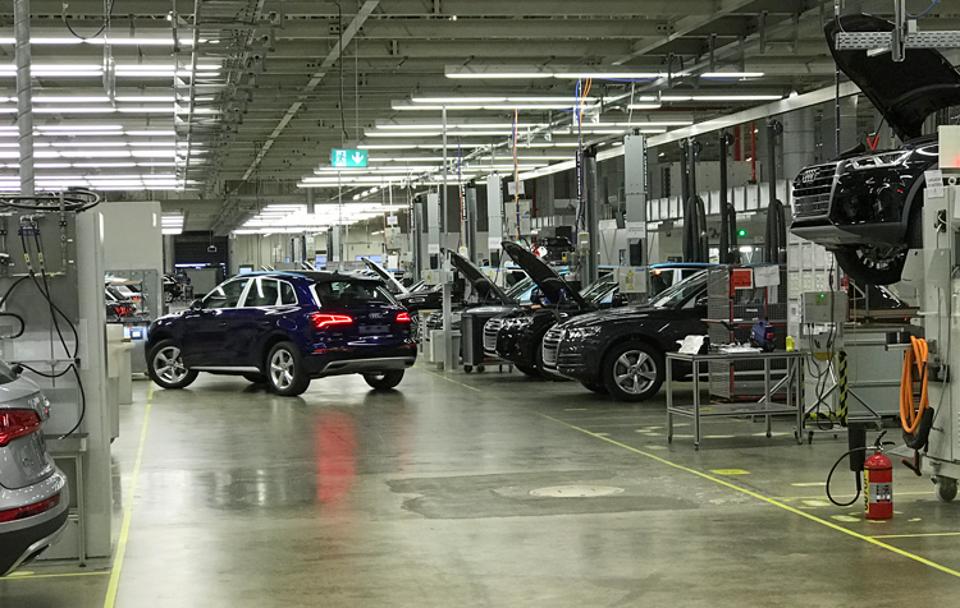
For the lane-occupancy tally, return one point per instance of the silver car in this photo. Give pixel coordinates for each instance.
(34, 497)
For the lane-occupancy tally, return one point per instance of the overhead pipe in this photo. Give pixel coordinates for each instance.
(21, 17)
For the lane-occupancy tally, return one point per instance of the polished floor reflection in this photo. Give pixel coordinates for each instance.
(486, 490)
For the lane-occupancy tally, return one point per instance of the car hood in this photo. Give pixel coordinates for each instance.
(487, 289)
(550, 283)
(615, 315)
(905, 93)
(389, 279)
(490, 310)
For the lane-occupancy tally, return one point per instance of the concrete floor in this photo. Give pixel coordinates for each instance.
(422, 497)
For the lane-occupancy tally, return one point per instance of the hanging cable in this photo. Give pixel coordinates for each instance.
(911, 414)
(107, 16)
(925, 11)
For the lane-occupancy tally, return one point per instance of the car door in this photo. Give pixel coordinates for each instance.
(206, 326)
(266, 299)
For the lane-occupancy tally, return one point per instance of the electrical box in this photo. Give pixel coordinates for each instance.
(824, 307)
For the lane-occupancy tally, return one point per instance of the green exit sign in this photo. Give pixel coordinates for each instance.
(348, 159)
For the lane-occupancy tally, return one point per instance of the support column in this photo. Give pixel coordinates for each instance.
(494, 218)
(592, 217)
(635, 192)
(470, 223)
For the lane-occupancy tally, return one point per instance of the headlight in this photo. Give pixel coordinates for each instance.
(878, 161)
(580, 333)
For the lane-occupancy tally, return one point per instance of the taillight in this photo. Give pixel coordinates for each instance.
(321, 320)
(403, 317)
(17, 423)
(30, 510)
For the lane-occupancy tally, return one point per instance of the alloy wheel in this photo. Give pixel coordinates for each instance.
(635, 371)
(168, 364)
(282, 369)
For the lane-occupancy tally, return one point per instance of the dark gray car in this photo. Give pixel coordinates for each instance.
(34, 497)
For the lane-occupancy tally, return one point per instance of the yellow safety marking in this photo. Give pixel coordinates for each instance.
(766, 499)
(845, 518)
(719, 436)
(110, 601)
(32, 576)
(808, 484)
(726, 472)
(915, 519)
(576, 409)
(816, 503)
(442, 377)
(917, 535)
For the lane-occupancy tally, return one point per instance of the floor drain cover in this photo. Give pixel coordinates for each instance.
(576, 491)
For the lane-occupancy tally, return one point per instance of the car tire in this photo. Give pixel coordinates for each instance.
(852, 260)
(384, 381)
(165, 366)
(633, 371)
(596, 387)
(285, 374)
(255, 378)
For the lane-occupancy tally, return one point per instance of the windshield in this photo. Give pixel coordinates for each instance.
(675, 296)
(520, 288)
(595, 290)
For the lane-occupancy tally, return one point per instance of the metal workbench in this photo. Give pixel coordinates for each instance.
(764, 406)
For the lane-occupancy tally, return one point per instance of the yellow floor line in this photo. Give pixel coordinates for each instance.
(766, 499)
(917, 535)
(110, 601)
(37, 577)
(443, 377)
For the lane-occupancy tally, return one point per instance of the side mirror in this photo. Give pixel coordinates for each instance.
(196, 304)
(702, 301)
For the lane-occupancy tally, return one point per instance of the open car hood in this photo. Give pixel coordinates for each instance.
(550, 283)
(905, 93)
(396, 287)
(487, 289)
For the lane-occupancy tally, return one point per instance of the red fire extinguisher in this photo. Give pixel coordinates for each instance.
(878, 479)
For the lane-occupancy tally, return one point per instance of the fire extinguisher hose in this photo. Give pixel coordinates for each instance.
(911, 413)
(856, 477)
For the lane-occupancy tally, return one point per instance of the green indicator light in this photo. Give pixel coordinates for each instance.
(742, 232)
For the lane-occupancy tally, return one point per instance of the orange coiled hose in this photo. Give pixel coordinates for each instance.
(914, 358)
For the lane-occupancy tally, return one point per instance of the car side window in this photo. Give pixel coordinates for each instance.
(263, 292)
(287, 294)
(225, 295)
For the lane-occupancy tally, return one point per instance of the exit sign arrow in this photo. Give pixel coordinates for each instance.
(341, 158)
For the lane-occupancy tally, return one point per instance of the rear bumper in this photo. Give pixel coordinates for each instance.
(361, 360)
(358, 366)
(23, 540)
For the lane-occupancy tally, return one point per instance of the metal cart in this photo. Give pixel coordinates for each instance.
(765, 406)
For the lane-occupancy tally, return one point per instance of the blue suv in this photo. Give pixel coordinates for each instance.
(286, 328)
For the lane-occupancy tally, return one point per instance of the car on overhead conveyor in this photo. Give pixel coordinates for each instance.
(866, 207)
(622, 351)
(34, 496)
(284, 329)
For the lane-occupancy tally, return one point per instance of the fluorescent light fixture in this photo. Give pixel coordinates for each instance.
(499, 100)
(465, 72)
(733, 75)
(458, 126)
(403, 106)
(458, 133)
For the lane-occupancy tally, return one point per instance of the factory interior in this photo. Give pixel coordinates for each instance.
(416, 303)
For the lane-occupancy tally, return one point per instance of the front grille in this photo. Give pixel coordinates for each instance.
(551, 344)
(813, 189)
(491, 329)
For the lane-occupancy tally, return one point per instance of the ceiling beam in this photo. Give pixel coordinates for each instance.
(332, 57)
